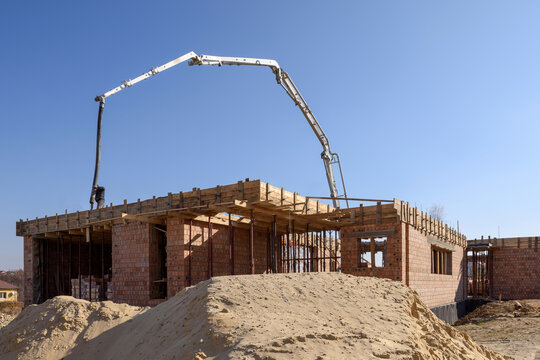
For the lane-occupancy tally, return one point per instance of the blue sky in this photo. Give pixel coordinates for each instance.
(429, 102)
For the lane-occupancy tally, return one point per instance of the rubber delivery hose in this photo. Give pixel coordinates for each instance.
(98, 154)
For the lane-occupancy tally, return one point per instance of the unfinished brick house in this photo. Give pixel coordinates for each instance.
(508, 268)
(144, 252)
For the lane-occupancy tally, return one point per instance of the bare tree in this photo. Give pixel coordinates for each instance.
(436, 211)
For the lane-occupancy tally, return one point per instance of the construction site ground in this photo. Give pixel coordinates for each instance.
(503, 327)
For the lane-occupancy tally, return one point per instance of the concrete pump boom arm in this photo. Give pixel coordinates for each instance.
(146, 75)
(329, 158)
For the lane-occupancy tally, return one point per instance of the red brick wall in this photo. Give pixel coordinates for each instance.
(130, 264)
(179, 259)
(394, 268)
(516, 273)
(434, 289)
(412, 267)
(175, 256)
(31, 248)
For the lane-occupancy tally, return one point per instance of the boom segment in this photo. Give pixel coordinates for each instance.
(329, 158)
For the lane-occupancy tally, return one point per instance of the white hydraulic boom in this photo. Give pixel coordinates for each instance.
(329, 158)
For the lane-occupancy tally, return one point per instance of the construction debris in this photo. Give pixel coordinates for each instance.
(278, 316)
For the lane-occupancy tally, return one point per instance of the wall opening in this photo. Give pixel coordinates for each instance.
(380, 251)
(372, 252)
(158, 262)
(364, 253)
(71, 265)
(478, 273)
(441, 261)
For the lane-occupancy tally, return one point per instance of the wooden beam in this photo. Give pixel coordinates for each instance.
(142, 218)
(369, 234)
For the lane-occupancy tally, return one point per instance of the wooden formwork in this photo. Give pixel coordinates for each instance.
(530, 242)
(423, 222)
(246, 200)
(243, 198)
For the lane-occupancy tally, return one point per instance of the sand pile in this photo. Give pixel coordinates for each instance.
(497, 309)
(52, 329)
(283, 316)
(5, 319)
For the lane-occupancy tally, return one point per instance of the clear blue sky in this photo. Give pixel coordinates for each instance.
(429, 102)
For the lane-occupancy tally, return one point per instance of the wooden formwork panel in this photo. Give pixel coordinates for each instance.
(266, 202)
(424, 222)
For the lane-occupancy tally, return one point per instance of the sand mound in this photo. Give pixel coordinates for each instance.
(283, 316)
(497, 309)
(5, 319)
(52, 329)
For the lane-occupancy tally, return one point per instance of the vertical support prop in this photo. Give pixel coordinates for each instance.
(319, 262)
(69, 265)
(80, 278)
(324, 251)
(288, 251)
(274, 245)
(473, 273)
(210, 250)
(306, 262)
(189, 253)
(103, 266)
(251, 244)
(331, 266)
(47, 266)
(293, 247)
(57, 277)
(90, 269)
(231, 250)
(268, 252)
(336, 249)
(312, 251)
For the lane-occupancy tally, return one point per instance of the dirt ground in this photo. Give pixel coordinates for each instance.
(505, 329)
